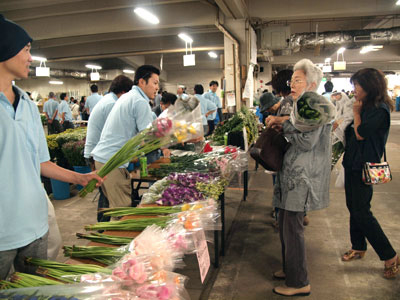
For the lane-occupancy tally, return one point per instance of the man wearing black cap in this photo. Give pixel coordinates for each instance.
(24, 156)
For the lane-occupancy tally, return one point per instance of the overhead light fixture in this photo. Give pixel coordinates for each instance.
(398, 2)
(212, 54)
(55, 82)
(127, 71)
(93, 67)
(327, 60)
(42, 70)
(354, 62)
(39, 58)
(341, 50)
(366, 49)
(146, 15)
(186, 38)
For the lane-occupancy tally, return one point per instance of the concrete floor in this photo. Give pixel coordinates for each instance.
(253, 251)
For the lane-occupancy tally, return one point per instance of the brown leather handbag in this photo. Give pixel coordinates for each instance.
(270, 149)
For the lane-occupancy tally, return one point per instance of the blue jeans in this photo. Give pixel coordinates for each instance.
(398, 103)
(38, 249)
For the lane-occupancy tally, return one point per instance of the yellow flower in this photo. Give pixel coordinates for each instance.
(192, 130)
(185, 207)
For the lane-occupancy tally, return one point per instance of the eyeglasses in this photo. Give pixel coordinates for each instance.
(294, 82)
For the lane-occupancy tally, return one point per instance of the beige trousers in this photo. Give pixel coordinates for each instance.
(117, 187)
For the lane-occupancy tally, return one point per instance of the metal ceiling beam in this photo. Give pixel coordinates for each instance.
(133, 53)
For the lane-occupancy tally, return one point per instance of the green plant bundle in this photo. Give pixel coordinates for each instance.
(105, 239)
(129, 224)
(104, 255)
(22, 280)
(140, 211)
(213, 189)
(244, 118)
(73, 152)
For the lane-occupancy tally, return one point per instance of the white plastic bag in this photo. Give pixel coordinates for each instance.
(339, 183)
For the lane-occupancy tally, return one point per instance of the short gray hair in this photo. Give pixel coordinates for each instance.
(312, 72)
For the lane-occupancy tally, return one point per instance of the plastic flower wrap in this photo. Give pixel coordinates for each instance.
(311, 111)
(182, 122)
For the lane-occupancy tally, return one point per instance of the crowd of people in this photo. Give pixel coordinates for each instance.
(302, 185)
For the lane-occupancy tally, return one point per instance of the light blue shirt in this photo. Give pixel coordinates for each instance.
(206, 106)
(23, 203)
(130, 115)
(63, 107)
(97, 120)
(215, 99)
(49, 107)
(91, 101)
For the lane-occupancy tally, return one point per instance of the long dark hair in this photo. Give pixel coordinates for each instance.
(373, 82)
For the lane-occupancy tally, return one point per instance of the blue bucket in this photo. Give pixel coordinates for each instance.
(60, 189)
(82, 170)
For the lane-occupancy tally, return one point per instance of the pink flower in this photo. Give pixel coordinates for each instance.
(164, 293)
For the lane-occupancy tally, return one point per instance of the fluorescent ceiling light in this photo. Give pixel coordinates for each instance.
(127, 71)
(212, 54)
(146, 15)
(366, 49)
(328, 60)
(341, 50)
(185, 37)
(94, 67)
(38, 58)
(354, 62)
(55, 82)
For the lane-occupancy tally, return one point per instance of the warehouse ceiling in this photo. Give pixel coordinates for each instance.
(72, 33)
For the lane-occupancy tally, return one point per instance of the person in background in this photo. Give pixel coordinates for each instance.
(282, 90)
(82, 109)
(181, 90)
(328, 90)
(157, 99)
(71, 102)
(50, 109)
(207, 107)
(23, 211)
(92, 100)
(215, 117)
(65, 113)
(119, 86)
(365, 142)
(75, 110)
(302, 184)
(167, 99)
(269, 105)
(130, 115)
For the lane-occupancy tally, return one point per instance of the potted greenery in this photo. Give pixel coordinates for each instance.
(73, 152)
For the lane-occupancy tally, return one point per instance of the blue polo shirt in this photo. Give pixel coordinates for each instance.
(97, 120)
(130, 115)
(23, 203)
(214, 99)
(63, 107)
(49, 107)
(206, 106)
(91, 101)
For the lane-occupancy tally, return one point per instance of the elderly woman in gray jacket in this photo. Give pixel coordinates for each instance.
(302, 184)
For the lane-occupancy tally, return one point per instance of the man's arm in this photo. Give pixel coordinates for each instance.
(51, 170)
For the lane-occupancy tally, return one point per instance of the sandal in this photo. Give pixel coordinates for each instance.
(392, 270)
(353, 254)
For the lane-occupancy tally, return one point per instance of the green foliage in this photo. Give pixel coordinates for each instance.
(44, 120)
(73, 152)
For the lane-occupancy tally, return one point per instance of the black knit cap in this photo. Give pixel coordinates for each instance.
(13, 39)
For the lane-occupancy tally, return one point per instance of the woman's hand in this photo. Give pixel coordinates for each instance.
(271, 120)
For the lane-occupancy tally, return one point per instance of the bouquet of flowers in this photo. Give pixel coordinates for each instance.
(181, 123)
(311, 111)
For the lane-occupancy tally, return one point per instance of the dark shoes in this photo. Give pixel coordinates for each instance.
(289, 291)
(279, 275)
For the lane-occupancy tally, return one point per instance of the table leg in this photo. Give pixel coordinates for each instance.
(245, 184)
(222, 201)
(216, 249)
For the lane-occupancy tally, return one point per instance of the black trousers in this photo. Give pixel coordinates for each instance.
(54, 127)
(211, 127)
(363, 224)
(68, 125)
